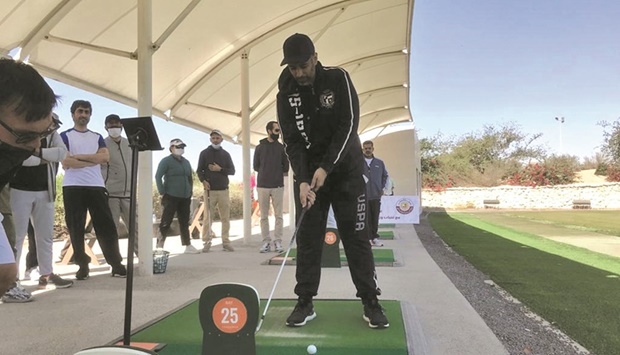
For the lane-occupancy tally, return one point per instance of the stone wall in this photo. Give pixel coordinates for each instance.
(600, 196)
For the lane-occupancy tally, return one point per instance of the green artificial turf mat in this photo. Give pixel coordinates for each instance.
(386, 234)
(382, 256)
(337, 330)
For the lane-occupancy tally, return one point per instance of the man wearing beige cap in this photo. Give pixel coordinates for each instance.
(174, 183)
(214, 167)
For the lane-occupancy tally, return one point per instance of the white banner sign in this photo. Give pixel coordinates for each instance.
(400, 210)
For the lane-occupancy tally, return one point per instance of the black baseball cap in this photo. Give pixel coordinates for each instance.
(297, 49)
(112, 118)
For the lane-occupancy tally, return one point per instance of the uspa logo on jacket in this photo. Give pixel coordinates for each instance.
(404, 206)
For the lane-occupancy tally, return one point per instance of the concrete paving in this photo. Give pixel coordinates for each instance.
(91, 312)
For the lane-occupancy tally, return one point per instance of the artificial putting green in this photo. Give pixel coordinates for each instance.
(338, 329)
(386, 234)
(382, 257)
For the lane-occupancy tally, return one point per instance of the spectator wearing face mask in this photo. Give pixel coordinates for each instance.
(174, 183)
(117, 172)
(214, 167)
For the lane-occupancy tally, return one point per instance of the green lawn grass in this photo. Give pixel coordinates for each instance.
(606, 222)
(557, 281)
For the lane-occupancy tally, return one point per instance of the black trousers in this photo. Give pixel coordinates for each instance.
(77, 201)
(346, 193)
(181, 207)
(374, 207)
(31, 257)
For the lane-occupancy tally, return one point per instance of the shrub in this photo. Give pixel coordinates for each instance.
(601, 169)
(613, 173)
(542, 175)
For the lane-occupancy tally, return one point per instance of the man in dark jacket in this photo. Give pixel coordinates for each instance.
(26, 103)
(214, 167)
(318, 112)
(271, 164)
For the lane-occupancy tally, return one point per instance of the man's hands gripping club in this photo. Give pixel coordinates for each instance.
(307, 193)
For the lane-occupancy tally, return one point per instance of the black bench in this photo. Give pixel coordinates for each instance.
(582, 205)
(490, 203)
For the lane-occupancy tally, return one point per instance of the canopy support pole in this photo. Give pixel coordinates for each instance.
(245, 137)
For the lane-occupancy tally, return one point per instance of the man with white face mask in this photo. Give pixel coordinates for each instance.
(117, 171)
(174, 183)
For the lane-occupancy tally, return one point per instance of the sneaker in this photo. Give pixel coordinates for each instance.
(55, 280)
(17, 294)
(376, 242)
(228, 247)
(83, 272)
(373, 314)
(28, 273)
(266, 248)
(206, 247)
(303, 312)
(191, 250)
(278, 245)
(119, 271)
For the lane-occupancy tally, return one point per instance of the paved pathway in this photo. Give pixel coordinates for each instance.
(91, 312)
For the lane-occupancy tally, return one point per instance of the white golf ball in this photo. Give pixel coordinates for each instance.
(311, 349)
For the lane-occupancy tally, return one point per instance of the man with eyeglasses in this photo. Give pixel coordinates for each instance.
(26, 103)
(84, 191)
(271, 164)
(33, 195)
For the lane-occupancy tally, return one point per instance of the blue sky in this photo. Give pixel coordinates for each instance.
(480, 62)
(488, 62)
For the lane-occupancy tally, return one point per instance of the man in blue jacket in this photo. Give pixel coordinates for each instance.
(271, 164)
(318, 112)
(377, 178)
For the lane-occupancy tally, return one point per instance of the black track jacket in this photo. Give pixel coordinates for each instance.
(319, 122)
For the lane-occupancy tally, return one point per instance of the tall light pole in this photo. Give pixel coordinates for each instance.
(560, 121)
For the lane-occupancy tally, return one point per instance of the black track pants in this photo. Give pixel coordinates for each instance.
(347, 194)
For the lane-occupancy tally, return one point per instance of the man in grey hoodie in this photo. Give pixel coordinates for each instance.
(271, 164)
(117, 172)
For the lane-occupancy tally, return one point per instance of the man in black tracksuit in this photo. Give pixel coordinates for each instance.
(318, 112)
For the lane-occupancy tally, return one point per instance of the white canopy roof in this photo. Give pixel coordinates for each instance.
(198, 47)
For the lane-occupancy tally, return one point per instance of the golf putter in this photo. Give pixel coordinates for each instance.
(290, 245)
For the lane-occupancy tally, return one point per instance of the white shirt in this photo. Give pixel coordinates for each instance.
(87, 142)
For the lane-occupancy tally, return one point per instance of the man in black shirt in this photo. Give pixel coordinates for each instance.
(271, 164)
(26, 103)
